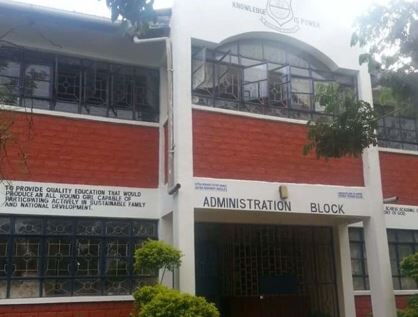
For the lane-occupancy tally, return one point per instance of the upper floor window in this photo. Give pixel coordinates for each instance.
(397, 130)
(46, 81)
(261, 76)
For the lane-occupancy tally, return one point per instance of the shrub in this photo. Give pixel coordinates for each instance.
(156, 255)
(160, 301)
(409, 267)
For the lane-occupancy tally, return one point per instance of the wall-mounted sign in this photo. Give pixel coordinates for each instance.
(277, 15)
(265, 197)
(66, 199)
(401, 216)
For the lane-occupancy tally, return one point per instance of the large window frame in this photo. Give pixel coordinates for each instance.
(401, 243)
(43, 256)
(40, 80)
(287, 72)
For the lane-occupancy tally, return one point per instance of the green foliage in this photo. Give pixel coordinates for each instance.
(409, 267)
(156, 255)
(389, 33)
(160, 301)
(348, 129)
(136, 15)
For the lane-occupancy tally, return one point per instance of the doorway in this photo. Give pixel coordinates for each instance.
(267, 270)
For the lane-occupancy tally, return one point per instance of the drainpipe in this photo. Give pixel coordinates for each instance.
(169, 57)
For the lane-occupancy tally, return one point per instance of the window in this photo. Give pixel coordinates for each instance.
(401, 244)
(47, 256)
(261, 76)
(46, 81)
(396, 130)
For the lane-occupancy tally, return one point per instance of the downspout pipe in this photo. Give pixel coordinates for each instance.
(170, 114)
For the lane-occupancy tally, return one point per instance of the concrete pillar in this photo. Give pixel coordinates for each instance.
(377, 248)
(344, 272)
(183, 220)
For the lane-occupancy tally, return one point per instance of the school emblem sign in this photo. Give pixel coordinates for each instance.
(279, 16)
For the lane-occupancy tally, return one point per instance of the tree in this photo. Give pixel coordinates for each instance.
(9, 140)
(389, 33)
(347, 127)
(136, 15)
(390, 36)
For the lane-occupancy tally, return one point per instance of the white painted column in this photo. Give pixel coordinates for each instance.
(183, 221)
(377, 248)
(344, 272)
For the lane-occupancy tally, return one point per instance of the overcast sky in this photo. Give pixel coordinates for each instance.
(349, 9)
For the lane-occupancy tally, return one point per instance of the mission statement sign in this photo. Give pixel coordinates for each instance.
(66, 199)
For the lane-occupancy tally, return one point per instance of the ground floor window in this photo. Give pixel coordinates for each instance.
(62, 256)
(401, 244)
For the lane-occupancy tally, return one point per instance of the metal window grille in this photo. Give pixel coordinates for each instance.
(47, 81)
(63, 256)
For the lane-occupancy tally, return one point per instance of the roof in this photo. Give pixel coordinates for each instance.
(83, 20)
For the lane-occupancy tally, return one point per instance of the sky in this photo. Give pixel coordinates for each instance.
(351, 9)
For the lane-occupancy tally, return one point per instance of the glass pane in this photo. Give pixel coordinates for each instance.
(357, 267)
(394, 267)
(297, 61)
(392, 122)
(117, 286)
(404, 251)
(28, 226)
(392, 252)
(87, 287)
(255, 73)
(391, 235)
(37, 81)
(228, 82)
(407, 124)
(356, 234)
(301, 101)
(118, 228)
(57, 287)
(396, 283)
(24, 289)
(4, 225)
(356, 250)
(69, 83)
(9, 69)
(59, 226)
(408, 283)
(3, 289)
(299, 72)
(59, 257)
(89, 228)
(88, 253)
(117, 266)
(405, 236)
(274, 54)
(251, 48)
(26, 257)
(144, 229)
(301, 85)
(3, 256)
(358, 284)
